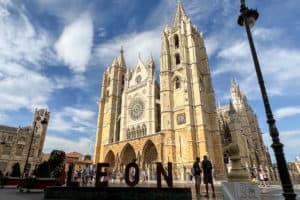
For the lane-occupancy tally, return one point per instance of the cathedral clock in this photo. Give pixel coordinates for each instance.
(136, 109)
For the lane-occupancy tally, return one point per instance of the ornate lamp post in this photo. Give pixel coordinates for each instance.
(28, 154)
(247, 18)
(43, 122)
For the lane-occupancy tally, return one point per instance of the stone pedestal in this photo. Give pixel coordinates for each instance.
(240, 190)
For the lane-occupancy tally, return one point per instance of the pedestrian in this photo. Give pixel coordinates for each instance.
(143, 175)
(196, 171)
(207, 175)
(261, 178)
(121, 176)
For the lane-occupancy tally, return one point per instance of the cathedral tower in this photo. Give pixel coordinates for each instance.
(108, 125)
(189, 117)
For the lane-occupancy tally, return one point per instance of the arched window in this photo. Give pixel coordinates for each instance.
(138, 132)
(128, 134)
(108, 81)
(144, 130)
(177, 83)
(107, 93)
(133, 134)
(176, 41)
(123, 80)
(177, 58)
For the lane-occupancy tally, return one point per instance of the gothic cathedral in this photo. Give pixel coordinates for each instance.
(174, 121)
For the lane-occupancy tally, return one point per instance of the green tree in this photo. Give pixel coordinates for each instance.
(43, 170)
(16, 172)
(56, 163)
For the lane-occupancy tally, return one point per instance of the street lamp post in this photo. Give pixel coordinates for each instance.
(247, 18)
(28, 154)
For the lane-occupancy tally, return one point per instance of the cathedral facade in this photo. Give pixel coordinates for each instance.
(15, 143)
(238, 124)
(174, 121)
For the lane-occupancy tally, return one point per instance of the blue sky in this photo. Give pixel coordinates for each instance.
(53, 54)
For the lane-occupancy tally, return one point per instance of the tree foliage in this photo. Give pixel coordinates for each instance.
(43, 170)
(16, 172)
(56, 163)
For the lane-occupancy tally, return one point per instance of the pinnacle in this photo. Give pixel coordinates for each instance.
(121, 59)
(180, 14)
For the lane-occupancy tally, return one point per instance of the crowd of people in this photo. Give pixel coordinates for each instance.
(87, 176)
(260, 177)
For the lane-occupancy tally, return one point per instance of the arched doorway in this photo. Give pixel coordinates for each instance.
(127, 155)
(110, 158)
(150, 156)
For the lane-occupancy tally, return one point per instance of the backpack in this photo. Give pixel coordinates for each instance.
(193, 171)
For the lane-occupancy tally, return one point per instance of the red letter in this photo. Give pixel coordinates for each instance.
(160, 171)
(99, 174)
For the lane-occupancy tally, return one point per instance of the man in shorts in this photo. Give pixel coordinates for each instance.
(197, 173)
(207, 175)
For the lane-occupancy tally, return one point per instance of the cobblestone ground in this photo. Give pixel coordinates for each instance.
(268, 193)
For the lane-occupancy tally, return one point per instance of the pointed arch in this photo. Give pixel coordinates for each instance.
(176, 41)
(177, 83)
(133, 132)
(150, 156)
(108, 81)
(177, 58)
(138, 132)
(144, 130)
(110, 158)
(127, 154)
(128, 134)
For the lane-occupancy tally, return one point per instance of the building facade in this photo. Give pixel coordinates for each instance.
(15, 142)
(174, 121)
(238, 124)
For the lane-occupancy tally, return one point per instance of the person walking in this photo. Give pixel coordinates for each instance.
(196, 171)
(207, 175)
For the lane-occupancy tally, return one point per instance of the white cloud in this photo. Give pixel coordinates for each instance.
(82, 145)
(23, 88)
(20, 41)
(287, 112)
(75, 43)
(23, 49)
(76, 81)
(290, 139)
(279, 64)
(72, 119)
(133, 44)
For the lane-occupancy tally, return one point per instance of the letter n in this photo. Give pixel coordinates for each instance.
(161, 171)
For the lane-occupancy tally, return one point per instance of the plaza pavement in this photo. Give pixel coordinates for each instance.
(267, 193)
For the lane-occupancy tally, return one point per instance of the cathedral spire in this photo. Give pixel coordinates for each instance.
(180, 14)
(121, 59)
(151, 61)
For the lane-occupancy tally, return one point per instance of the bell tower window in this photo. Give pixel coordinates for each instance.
(108, 81)
(177, 58)
(176, 41)
(177, 83)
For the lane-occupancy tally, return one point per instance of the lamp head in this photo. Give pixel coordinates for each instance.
(251, 16)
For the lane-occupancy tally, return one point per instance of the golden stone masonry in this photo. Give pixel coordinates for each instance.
(174, 121)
